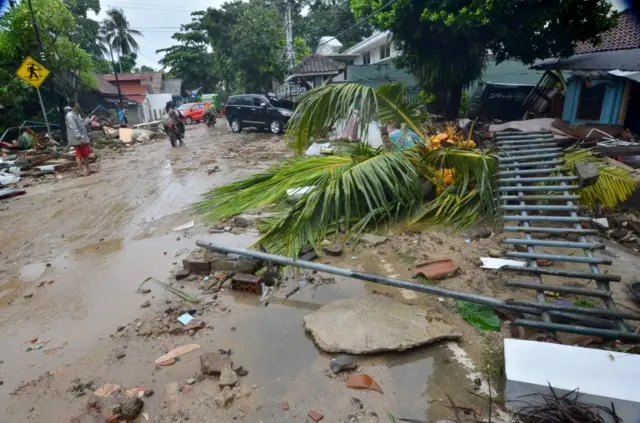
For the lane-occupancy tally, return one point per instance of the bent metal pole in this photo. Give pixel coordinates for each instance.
(427, 289)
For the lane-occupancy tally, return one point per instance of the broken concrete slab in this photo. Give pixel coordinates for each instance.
(213, 363)
(223, 263)
(374, 324)
(198, 262)
(587, 173)
(372, 239)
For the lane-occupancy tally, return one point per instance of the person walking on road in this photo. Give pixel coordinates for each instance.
(78, 137)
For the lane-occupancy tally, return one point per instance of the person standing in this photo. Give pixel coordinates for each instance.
(78, 137)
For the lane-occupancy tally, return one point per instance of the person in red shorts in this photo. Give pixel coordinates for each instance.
(78, 137)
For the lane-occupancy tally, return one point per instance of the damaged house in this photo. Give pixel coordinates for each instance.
(604, 82)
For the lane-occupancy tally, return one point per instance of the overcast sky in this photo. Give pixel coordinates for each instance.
(160, 19)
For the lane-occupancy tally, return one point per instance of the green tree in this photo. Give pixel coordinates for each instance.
(86, 29)
(144, 69)
(330, 18)
(258, 47)
(70, 65)
(444, 43)
(191, 59)
(118, 33)
(126, 63)
(300, 48)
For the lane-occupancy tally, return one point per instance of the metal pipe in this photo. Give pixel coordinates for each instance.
(583, 330)
(532, 171)
(530, 157)
(550, 230)
(559, 257)
(519, 147)
(538, 179)
(539, 197)
(563, 273)
(569, 219)
(384, 280)
(553, 243)
(524, 136)
(590, 311)
(536, 188)
(517, 152)
(561, 289)
(513, 142)
(540, 208)
(531, 164)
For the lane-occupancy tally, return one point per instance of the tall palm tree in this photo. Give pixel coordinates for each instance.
(119, 35)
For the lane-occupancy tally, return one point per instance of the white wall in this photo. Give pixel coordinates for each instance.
(374, 51)
(154, 106)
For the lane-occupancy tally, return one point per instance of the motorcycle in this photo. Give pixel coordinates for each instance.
(210, 120)
(175, 132)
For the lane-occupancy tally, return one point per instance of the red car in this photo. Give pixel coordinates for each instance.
(192, 112)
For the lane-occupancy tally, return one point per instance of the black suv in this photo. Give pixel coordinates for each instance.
(258, 111)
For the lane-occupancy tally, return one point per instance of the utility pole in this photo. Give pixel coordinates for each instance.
(44, 62)
(291, 58)
(113, 65)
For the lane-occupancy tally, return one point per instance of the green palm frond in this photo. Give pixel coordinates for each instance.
(269, 187)
(614, 185)
(382, 188)
(323, 107)
(473, 192)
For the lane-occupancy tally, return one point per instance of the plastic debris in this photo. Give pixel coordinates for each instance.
(185, 318)
(187, 225)
(497, 263)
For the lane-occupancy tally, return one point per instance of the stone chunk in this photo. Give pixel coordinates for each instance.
(587, 173)
(228, 377)
(372, 239)
(374, 324)
(213, 363)
(223, 263)
(198, 262)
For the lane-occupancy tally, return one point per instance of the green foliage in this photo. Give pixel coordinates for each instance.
(481, 316)
(190, 58)
(464, 105)
(330, 18)
(86, 30)
(459, 34)
(614, 185)
(70, 66)
(117, 33)
(323, 107)
(126, 63)
(300, 48)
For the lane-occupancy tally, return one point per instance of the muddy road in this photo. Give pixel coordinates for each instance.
(74, 251)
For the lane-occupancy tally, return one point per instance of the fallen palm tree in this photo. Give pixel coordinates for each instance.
(361, 187)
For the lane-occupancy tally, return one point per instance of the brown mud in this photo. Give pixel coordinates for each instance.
(83, 246)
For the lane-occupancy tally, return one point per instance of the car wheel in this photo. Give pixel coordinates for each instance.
(275, 126)
(235, 125)
(189, 121)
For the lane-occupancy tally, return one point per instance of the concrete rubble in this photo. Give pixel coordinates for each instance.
(374, 324)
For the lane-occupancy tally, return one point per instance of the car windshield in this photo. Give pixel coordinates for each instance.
(284, 104)
(184, 107)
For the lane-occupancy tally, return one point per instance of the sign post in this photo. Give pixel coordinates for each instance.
(34, 74)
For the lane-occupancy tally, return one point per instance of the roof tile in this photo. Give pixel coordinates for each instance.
(317, 64)
(626, 35)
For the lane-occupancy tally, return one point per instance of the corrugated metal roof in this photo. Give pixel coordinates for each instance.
(625, 60)
(626, 35)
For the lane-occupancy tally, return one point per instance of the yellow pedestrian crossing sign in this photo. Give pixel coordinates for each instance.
(32, 72)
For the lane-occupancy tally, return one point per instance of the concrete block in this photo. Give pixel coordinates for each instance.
(233, 264)
(587, 173)
(602, 377)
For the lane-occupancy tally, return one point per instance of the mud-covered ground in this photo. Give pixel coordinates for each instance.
(83, 246)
